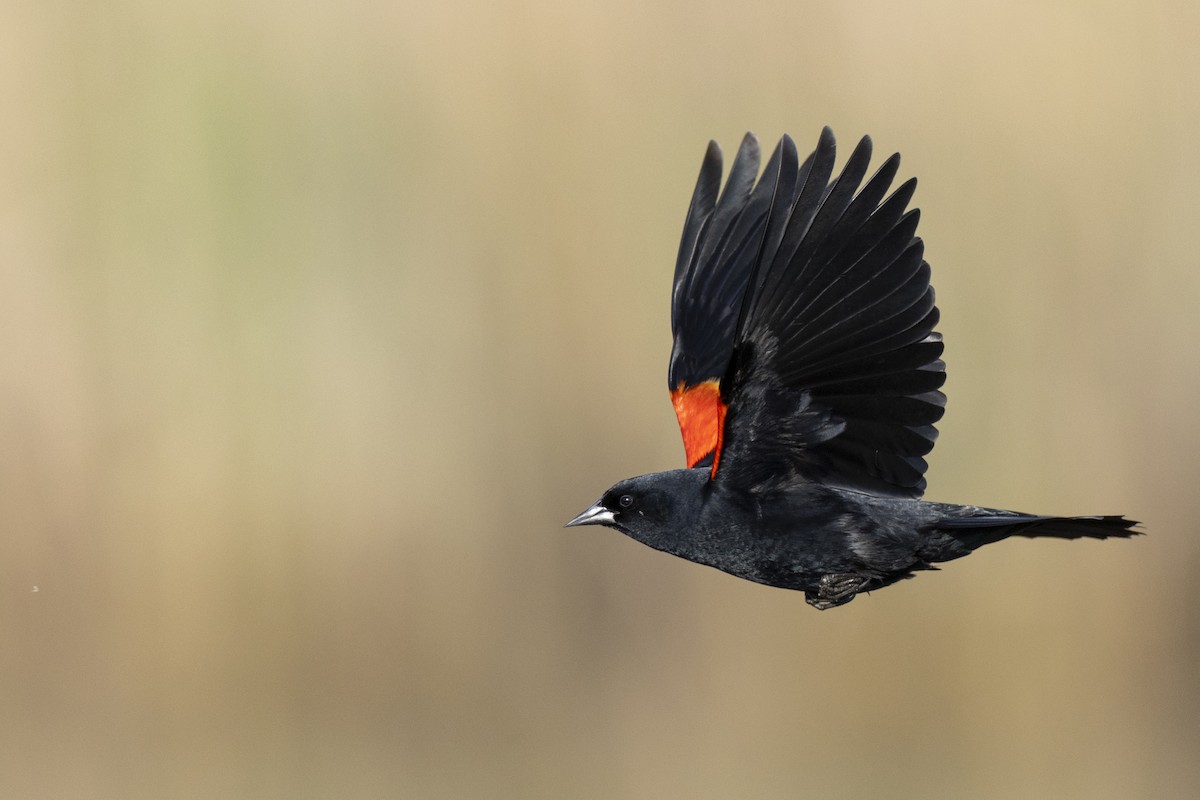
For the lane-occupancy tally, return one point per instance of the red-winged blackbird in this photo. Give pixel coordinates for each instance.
(805, 374)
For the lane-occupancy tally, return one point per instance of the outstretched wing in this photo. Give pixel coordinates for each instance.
(835, 368)
(720, 246)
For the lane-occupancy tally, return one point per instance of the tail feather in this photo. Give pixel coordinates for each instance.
(972, 532)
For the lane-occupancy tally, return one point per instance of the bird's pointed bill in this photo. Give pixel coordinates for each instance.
(596, 515)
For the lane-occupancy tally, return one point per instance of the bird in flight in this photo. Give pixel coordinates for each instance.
(806, 375)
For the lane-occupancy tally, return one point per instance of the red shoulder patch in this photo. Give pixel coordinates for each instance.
(701, 415)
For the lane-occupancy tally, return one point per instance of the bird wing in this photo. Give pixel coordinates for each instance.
(835, 369)
(718, 252)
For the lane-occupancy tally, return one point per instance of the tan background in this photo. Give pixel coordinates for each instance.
(317, 321)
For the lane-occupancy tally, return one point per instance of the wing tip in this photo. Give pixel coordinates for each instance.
(751, 147)
(826, 141)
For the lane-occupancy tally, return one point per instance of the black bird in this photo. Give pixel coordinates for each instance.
(805, 374)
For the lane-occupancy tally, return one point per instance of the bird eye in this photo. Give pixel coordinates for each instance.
(626, 501)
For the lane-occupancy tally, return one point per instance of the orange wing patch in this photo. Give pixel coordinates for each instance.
(701, 415)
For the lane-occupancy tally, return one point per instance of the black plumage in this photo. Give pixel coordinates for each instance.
(806, 375)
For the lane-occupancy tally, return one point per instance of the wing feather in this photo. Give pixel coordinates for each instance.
(722, 240)
(835, 369)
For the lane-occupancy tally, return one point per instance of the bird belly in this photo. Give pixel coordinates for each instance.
(799, 543)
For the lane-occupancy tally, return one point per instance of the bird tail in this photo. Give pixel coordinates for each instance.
(969, 533)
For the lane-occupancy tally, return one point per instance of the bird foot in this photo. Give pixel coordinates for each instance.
(835, 590)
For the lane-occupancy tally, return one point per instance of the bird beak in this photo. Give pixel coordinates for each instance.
(596, 515)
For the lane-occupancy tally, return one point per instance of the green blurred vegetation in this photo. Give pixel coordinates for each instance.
(319, 320)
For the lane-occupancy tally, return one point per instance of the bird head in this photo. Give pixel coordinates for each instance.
(655, 509)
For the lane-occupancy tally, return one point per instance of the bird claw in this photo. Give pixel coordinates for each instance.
(835, 590)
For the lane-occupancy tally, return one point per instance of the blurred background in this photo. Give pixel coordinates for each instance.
(319, 320)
